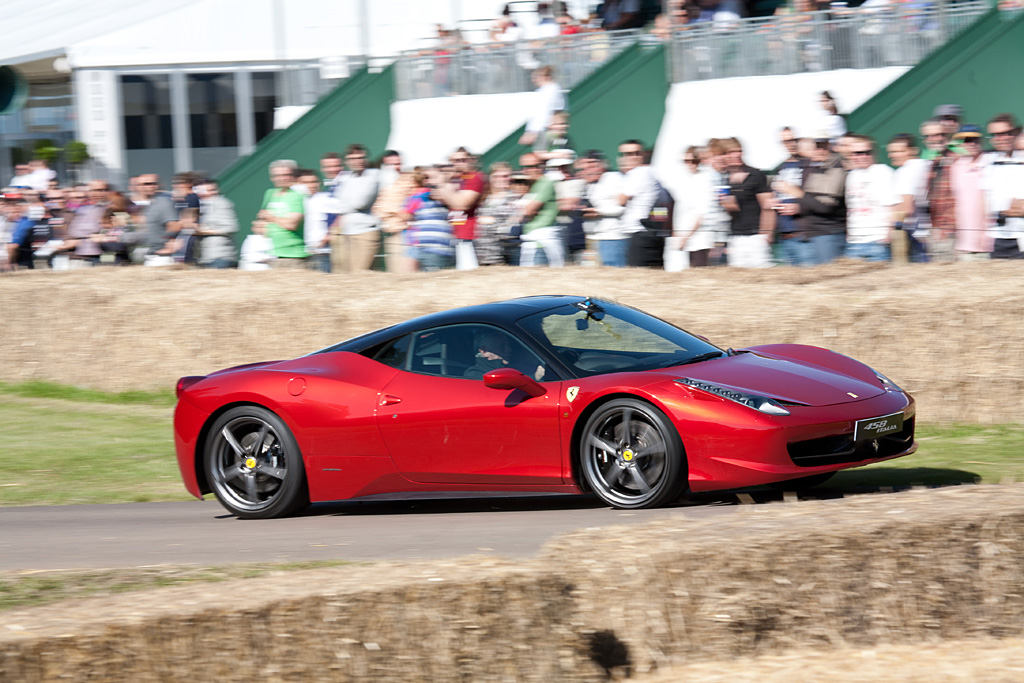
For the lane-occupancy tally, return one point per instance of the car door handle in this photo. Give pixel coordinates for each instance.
(389, 400)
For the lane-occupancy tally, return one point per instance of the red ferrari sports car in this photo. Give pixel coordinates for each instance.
(562, 394)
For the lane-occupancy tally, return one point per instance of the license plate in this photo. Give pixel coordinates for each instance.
(875, 427)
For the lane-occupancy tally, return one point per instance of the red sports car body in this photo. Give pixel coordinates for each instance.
(556, 394)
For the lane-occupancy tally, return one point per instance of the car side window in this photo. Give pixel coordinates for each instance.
(394, 353)
(469, 351)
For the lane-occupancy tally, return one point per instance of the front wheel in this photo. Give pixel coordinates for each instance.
(254, 465)
(631, 455)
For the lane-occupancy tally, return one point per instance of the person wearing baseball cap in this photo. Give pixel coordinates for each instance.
(951, 116)
(967, 180)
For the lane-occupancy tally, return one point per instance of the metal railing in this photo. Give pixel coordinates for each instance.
(490, 68)
(860, 38)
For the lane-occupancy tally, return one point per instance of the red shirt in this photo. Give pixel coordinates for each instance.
(464, 222)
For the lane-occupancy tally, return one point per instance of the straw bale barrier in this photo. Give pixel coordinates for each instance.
(953, 334)
(881, 570)
(954, 661)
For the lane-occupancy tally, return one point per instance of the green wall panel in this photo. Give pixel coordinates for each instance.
(982, 70)
(358, 110)
(623, 99)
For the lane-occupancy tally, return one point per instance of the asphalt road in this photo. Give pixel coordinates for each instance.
(204, 534)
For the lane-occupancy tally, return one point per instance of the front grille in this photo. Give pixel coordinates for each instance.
(840, 448)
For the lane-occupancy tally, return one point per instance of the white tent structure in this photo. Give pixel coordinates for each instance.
(165, 87)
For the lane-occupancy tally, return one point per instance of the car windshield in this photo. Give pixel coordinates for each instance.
(596, 337)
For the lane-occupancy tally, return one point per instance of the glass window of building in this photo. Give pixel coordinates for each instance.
(264, 100)
(147, 111)
(211, 104)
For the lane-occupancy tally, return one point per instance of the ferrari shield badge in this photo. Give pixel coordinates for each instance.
(571, 393)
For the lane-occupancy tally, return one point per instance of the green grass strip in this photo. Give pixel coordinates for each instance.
(40, 389)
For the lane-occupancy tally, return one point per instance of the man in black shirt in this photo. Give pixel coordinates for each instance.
(749, 203)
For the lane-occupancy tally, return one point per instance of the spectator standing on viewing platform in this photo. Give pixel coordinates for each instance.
(431, 242)
(86, 223)
(218, 224)
(40, 175)
(749, 203)
(795, 244)
(601, 208)
(699, 231)
(1003, 130)
(639, 193)
(540, 230)
(1005, 187)
(967, 179)
(548, 98)
(389, 210)
(161, 222)
(280, 217)
(821, 203)
(495, 216)
(871, 203)
(462, 193)
(939, 192)
(356, 229)
(318, 205)
(910, 179)
(833, 125)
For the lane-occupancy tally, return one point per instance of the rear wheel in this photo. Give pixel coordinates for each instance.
(631, 455)
(253, 464)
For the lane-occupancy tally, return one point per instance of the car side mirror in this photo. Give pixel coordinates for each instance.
(509, 378)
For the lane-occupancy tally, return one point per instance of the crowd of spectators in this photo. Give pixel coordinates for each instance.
(945, 199)
(706, 38)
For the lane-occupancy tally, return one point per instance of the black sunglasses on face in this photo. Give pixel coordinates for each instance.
(861, 152)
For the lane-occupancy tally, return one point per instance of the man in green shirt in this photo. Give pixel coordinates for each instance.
(541, 234)
(280, 217)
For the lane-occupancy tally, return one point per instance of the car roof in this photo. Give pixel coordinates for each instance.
(502, 313)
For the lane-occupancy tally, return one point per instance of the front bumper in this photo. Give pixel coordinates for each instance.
(811, 440)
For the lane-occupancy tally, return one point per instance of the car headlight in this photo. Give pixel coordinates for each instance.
(759, 403)
(887, 383)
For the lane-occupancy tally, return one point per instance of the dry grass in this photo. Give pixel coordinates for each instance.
(748, 594)
(951, 334)
(957, 661)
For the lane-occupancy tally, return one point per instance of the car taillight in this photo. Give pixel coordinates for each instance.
(184, 383)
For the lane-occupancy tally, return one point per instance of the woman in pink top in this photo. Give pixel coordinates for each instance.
(967, 180)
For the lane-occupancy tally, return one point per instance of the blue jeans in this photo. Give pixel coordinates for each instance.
(430, 262)
(827, 248)
(613, 253)
(319, 262)
(221, 263)
(797, 252)
(869, 251)
(918, 250)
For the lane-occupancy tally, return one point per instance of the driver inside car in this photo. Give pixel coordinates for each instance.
(495, 351)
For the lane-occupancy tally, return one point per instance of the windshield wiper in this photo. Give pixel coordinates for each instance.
(696, 359)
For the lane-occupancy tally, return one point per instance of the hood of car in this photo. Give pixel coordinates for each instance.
(782, 379)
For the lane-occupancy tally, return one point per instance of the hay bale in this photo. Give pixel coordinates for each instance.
(900, 568)
(950, 333)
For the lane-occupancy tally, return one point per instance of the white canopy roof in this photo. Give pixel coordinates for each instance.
(37, 29)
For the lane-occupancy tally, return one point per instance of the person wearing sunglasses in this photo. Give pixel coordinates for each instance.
(871, 203)
(967, 179)
(541, 236)
(940, 205)
(694, 228)
(1005, 185)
